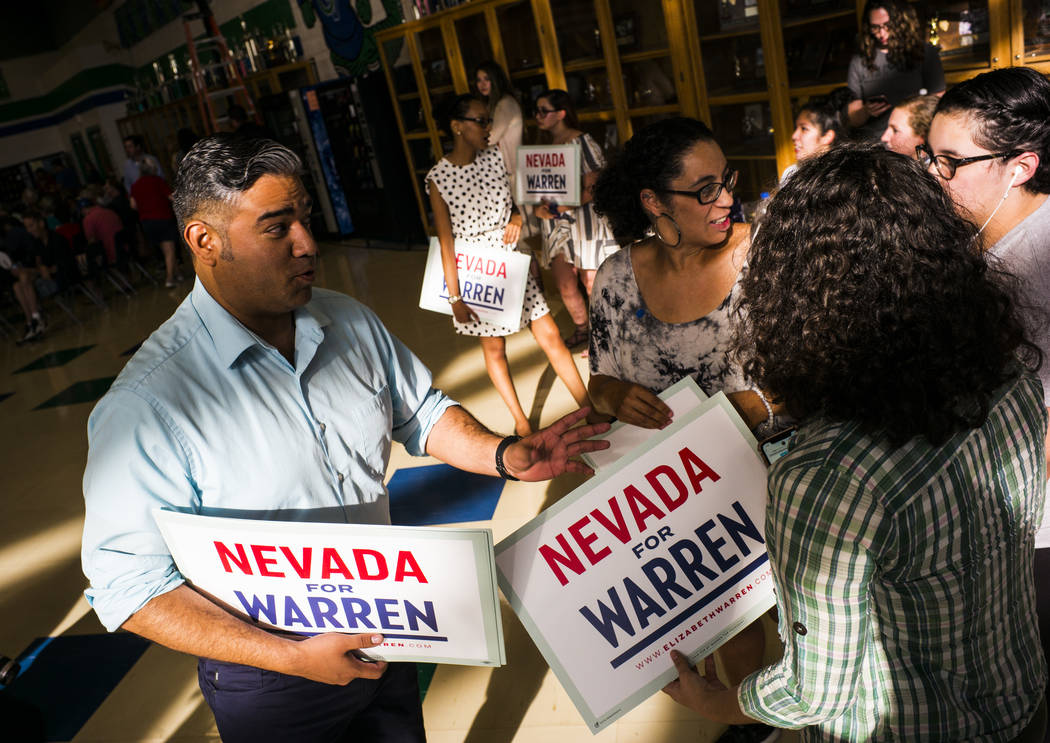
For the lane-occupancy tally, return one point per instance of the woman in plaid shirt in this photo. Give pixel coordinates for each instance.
(901, 523)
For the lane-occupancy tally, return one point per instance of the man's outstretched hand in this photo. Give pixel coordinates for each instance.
(550, 451)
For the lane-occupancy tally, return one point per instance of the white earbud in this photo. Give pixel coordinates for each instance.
(1017, 174)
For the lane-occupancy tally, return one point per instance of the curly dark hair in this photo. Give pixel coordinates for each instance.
(1008, 109)
(907, 44)
(868, 299)
(652, 158)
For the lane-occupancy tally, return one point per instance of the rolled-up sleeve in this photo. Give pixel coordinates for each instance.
(824, 529)
(136, 462)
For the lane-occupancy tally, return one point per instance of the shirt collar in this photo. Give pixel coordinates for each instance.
(232, 339)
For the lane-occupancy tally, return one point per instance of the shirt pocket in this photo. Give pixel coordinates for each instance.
(364, 438)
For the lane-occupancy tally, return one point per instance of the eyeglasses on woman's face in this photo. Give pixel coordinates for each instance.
(709, 192)
(542, 113)
(483, 121)
(946, 165)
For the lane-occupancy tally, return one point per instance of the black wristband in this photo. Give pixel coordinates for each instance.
(500, 467)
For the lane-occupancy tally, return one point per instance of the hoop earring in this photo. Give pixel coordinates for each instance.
(660, 237)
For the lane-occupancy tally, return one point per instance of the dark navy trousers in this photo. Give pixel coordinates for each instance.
(254, 705)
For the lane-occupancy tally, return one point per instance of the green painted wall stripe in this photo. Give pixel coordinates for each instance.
(85, 81)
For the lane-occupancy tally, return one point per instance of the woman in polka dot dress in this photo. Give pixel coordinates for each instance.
(470, 194)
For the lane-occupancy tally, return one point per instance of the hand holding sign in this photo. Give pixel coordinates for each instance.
(329, 658)
(634, 404)
(663, 550)
(463, 313)
(550, 451)
(702, 691)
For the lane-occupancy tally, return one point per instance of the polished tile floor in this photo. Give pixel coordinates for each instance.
(96, 688)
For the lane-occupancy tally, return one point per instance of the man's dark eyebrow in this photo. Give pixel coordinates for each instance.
(276, 213)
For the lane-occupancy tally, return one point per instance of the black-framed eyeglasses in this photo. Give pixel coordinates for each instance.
(947, 165)
(876, 27)
(709, 192)
(483, 122)
(542, 112)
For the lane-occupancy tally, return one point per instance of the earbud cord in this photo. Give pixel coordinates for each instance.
(1006, 193)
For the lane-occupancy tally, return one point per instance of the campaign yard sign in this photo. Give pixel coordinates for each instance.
(681, 397)
(491, 282)
(664, 549)
(431, 592)
(548, 173)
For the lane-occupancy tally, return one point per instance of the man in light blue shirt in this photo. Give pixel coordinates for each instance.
(264, 398)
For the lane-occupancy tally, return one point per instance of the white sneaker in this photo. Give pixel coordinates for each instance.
(32, 331)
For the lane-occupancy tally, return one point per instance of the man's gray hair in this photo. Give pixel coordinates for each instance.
(219, 168)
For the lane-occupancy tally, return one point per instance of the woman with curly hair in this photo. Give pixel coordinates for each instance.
(894, 62)
(661, 309)
(900, 523)
(909, 124)
(470, 194)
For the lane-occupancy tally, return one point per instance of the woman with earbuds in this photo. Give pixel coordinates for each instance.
(470, 194)
(989, 144)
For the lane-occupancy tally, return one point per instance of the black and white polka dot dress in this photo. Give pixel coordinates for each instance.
(479, 203)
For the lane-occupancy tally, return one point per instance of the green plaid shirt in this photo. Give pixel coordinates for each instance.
(904, 581)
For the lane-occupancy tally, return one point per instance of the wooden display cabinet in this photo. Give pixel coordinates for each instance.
(743, 66)
(622, 61)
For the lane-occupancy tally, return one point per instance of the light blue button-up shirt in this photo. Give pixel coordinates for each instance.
(209, 418)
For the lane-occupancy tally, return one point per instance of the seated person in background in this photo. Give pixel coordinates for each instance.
(819, 125)
(22, 250)
(66, 176)
(900, 523)
(54, 257)
(151, 198)
(115, 198)
(101, 225)
(909, 124)
(989, 145)
(70, 228)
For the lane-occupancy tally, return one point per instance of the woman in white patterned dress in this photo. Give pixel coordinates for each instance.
(470, 194)
(576, 240)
